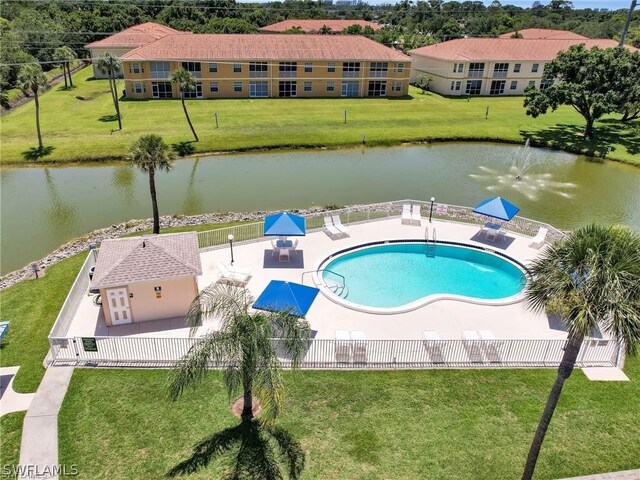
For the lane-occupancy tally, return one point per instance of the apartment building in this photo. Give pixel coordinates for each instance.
(492, 66)
(260, 66)
(122, 42)
(334, 26)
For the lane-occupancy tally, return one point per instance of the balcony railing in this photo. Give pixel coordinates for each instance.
(288, 74)
(476, 73)
(350, 74)
(378, 73)
(500, 74)
(259, 74)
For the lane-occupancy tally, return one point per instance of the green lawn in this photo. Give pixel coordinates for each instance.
(10, 436)
(32, 306)
(76, 130)
(444, 424)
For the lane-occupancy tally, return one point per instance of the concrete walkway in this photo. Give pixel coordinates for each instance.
(39, 447)
(626, 475)
(10, 400)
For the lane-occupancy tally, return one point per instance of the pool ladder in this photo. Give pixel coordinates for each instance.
(337, 285)
(430, 247)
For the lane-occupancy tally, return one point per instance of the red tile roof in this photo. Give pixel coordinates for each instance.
(540, 33)
(135, 36)
(496, 49)
(265, 47)
(314, 25)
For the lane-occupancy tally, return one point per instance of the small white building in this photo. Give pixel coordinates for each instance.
(152, 277)
(494, 66)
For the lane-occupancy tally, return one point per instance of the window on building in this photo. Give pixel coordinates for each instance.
(453, 84)
(458, 67)
(213, 68)
(535, 67)
(473, 87)
(287, 89)
(331, 86)
(350, 89)
(516, 67)
(307, 86)
(458, 85)
(193, 67)
(288, 69)
(398, 68)
(137, 87)
(545, 84)
(161, 90)
(213, 87)
(160, 70)
(197, 93)
(259, 89)
(378, 69)
(497, 87)
(350, 69)
(258, 69)
(308, 67)
(476, 70)
(500, 70)
(237, 86)
(377, 88)
(514, 84)
(237, 68)
(398, 86)
(532, 83)
(136, 68)
(331, 67)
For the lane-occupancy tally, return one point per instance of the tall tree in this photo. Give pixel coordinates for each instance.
(150, 154)
(186, 83)
(32, 80)
(65, 55)
(584, 79)
(592, 279)
(243, 346)
(111, 65)
(625, 29)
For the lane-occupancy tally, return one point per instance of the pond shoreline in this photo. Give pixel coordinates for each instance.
(89, 160)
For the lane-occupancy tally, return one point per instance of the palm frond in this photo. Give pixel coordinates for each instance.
(269, 389)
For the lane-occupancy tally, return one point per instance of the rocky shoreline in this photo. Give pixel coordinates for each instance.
(82, 243)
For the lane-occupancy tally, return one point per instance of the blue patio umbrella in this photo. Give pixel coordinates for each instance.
(497, 207)
(284, 224)
(281, 296)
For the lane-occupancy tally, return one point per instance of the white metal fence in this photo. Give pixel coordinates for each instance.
(351, 354)
(377, 211)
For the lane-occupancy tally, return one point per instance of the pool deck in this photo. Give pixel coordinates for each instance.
(447, 317)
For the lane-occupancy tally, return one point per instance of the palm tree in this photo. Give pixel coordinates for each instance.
(186, 83)
(31, 81)
(65, 55)
(592, 279)
(150, 153)
(111, 65)
(243, 346)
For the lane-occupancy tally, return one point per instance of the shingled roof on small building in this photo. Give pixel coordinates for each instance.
(124, 261)
(135, 36)
(315, 25)
(265, 47)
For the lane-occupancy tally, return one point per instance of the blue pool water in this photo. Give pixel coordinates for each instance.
(395, 274)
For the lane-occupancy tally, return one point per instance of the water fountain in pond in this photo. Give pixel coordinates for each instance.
(520, 178)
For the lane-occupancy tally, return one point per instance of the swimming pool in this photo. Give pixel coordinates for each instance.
(395, 277)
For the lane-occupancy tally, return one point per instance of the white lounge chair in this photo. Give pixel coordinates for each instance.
(432, 346)
(359, 346)
(338, 224)
(415, 215)
(491, 347)
(293, 249)
(233, 275)
(330, 229)
(538, 240)
(343, 347)
(472, 346)
(406, 214)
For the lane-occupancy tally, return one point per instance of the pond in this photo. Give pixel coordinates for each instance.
(42, 208)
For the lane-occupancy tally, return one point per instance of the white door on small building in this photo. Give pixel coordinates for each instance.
(119, 306)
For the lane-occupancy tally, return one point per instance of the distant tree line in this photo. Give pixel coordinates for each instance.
(32, 31)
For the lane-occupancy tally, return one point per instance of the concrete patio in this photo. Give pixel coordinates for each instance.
(449, 318)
